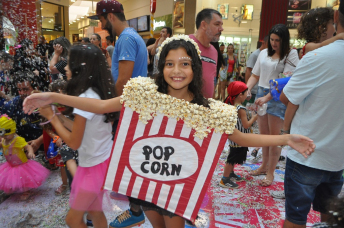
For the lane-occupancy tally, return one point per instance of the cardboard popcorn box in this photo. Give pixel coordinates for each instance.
(166, 159)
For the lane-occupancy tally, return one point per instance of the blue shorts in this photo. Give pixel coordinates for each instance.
(304, 185)
(275, 108)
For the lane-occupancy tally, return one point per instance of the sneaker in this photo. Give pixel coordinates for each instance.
(127, 219)
(278, 194)
(237, 178)
(228, 183)
(89, 223)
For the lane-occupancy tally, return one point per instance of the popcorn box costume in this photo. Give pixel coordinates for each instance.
(18, 174)
(166, 149)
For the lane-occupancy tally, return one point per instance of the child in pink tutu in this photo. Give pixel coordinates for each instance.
(18, 174)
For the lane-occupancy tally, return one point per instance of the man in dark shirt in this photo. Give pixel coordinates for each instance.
(27, 125)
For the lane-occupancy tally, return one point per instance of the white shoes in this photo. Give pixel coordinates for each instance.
(278, 194)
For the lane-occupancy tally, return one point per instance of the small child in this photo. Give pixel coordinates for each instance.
(56, 86)
(317, 28)
(237, 94)
(18, 174)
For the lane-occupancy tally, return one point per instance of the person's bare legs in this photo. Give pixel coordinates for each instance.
(62, 188)
(174, 222)
(263, 125)
(74, 219)
(218, 89)
(275, 126)
(98, 219)
(64, 176)
(228, 169)
(71, 166)
(155, 219)
(223, 88)
(288, 224)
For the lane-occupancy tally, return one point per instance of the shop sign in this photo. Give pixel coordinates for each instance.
(295, 11)
(159, 24)
(94, 23)
(163, 21)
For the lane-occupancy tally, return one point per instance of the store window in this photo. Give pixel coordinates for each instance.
(52, 17)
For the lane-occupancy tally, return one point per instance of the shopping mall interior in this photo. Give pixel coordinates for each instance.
(242, 19)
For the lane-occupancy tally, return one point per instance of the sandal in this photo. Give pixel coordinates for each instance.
(255, 152)
(278, 194)
(61, 190)
(256, 172)
(266, 182)
(25, 196)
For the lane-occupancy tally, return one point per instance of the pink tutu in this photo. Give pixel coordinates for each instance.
(23, 177)
(87, 187)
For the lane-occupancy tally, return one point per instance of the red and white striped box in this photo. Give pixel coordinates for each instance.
(162, 162)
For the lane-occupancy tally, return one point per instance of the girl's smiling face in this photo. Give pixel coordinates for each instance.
(178, 70)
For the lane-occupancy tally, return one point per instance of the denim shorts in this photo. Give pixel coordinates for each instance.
(304, 185)
(275, 108)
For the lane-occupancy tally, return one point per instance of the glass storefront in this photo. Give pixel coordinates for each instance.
(53, 24)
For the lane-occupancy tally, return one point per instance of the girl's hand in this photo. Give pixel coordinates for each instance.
(31, 155)
(46, 112)
(260, 101)
(302, 144)
(58, 49)
(34, 101)
(59, 142)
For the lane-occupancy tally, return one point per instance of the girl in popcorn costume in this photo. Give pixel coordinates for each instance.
(180, 77)
(18, 174)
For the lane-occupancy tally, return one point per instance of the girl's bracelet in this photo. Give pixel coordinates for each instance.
(54, 110)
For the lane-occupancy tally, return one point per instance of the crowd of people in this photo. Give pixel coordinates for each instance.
(84, 82)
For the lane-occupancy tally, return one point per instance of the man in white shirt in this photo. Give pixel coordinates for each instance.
(315, 112)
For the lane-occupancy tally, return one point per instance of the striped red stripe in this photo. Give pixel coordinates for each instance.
(189, 183)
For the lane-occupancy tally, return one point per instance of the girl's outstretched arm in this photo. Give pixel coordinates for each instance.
(302, 144)
(74, 138)
(312, 46)
(34, 101)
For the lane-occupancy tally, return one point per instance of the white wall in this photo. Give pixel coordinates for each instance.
(137, 8)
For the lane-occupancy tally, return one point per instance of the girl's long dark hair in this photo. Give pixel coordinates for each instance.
(282, 31)
(64, 42)
(196, 85)
(220, 60)
(90, 70)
